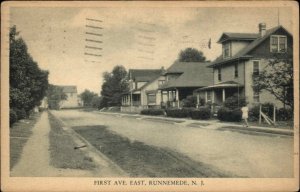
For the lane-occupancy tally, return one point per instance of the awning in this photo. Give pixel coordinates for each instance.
(223, 85)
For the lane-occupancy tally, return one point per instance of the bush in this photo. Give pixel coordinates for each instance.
(12, 116)
(180, 113)
(266, 108)
(201, 113)
(283, 114)
(191, 101)
(235, 102)
(229, 115)
(21, 113)
(152, 112)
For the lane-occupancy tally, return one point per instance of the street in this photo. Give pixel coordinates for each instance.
(240, 154)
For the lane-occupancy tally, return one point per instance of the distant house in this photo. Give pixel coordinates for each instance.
(245, 55)
(72, 98)
(182, 78)
(140, 81)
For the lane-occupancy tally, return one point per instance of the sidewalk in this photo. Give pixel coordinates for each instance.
(213, 124)
(35, 158)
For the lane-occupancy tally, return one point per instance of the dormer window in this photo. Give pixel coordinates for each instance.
(278, 44)
(226, 50)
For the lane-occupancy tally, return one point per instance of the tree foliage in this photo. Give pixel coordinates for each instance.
(55, 95)
(277, 78)
(28, 83)
(114, 86)
(87, 97)
(191, 55)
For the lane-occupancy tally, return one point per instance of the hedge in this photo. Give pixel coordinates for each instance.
(21, 113)
(12, 116)
(179, 113)
(201, 113)
(282, 114)
(229, 115)
(152, 112)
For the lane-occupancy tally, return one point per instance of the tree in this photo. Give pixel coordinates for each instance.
(55, 95)
(277, 78)
(87, 97)
(191, 55)
(114, 86)
(28, 83)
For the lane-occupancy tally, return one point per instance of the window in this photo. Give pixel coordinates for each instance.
(278, 44)
(256, 96)
(255, 67)
(151, 98)
(161, 82)
(236, 70)
(219, 74)
(226, 50)
(209, 96)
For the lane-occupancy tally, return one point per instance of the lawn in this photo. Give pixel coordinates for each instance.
(141, 160)
(19, 133)
(62, 152)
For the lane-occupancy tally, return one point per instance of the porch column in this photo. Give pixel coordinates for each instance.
(177, 97)
(168, 94)
(205, 96)
(223, 95)
(212, 96)
(198, 99)
(141, 99)
(161, 96)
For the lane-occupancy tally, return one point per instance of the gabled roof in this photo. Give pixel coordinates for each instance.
(193, 74)
(244, 53)
(144, 75)
(69, 89)
(237, 36)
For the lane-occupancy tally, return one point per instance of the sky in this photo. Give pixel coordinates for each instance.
(137, 38)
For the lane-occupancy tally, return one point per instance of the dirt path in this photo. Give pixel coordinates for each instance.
(35, 159)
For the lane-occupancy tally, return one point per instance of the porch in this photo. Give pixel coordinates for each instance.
(216, 95)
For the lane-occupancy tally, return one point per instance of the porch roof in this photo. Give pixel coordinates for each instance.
(223, 85)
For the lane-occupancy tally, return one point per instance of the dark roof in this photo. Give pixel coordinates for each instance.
(193, 74)
(69, 89)
(226, 84)
(144, 75)
(244, 53)
(237, 36)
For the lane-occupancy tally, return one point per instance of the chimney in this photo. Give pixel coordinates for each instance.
(262, 29)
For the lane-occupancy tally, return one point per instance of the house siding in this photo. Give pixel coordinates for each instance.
(264, 96)
(263, 50)
(150, 87)
(72, 101)
(227, 73)
(236, 46)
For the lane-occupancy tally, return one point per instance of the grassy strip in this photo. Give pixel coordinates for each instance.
(140, 160)
(19, 133)
(62, 152)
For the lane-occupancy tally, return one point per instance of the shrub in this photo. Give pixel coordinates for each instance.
(266, 108)
(189, 101)
(12, 116)
(201, 113)
(21, 113)
(283, 114)
(152, 112)
(229, 115)
(235, 102)
(180, 113)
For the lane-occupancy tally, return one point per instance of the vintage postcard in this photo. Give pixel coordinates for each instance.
(150, 96)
